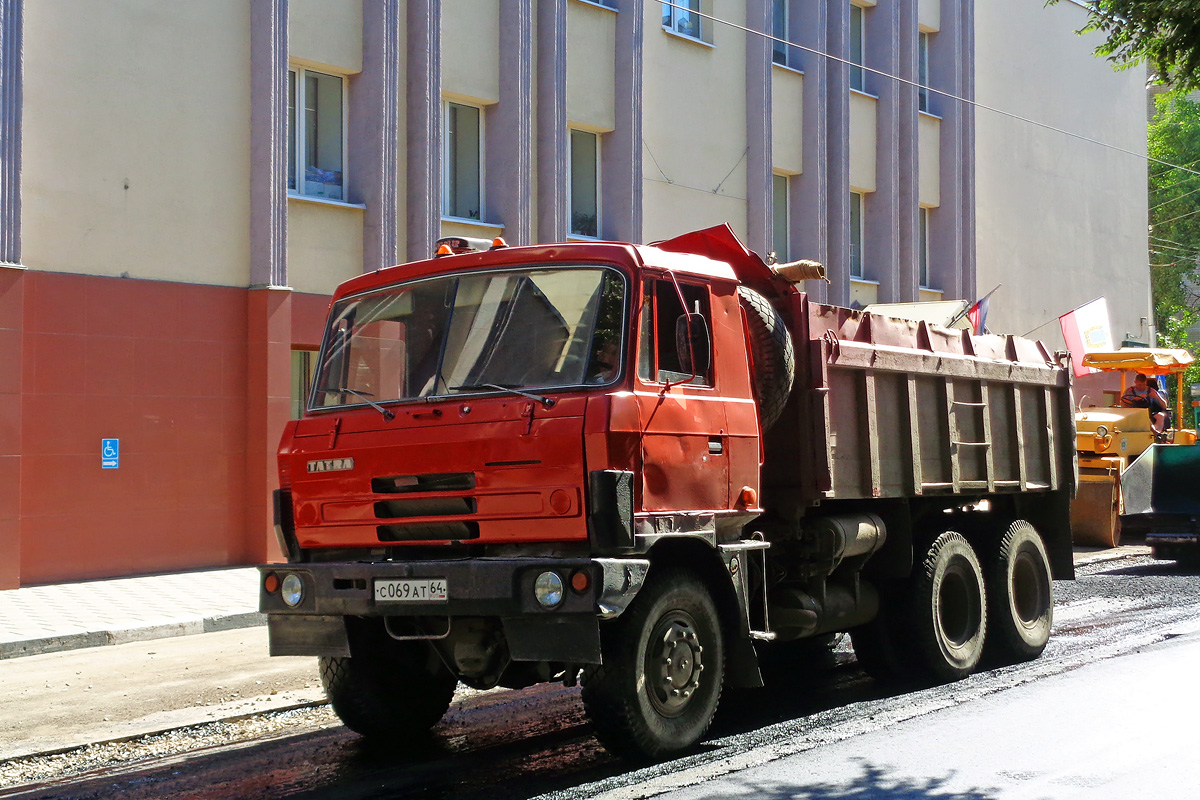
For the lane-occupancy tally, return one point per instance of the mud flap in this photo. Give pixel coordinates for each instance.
(305, 635)
(571, 638)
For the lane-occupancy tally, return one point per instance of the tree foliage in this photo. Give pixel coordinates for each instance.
(1174, 137)
(1164, 33)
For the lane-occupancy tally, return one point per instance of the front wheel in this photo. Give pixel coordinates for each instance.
(388, 691)
(664, 663)
(949, 610)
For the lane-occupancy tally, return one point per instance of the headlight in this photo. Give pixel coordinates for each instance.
(548, 589)
(1102, 430)
(292, 590)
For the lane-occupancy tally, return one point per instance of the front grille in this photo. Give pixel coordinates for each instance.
(435, 482)
(425, 507)
(428, 532)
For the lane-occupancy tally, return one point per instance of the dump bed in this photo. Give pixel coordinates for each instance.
(890, 408)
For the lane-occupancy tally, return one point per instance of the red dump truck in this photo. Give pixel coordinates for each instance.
(643, 469)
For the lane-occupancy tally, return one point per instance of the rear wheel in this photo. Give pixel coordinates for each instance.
(949, 609)
(664, 661)
(1020, 595)
(388, 691)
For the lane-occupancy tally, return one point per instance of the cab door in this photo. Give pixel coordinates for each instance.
(684, 442)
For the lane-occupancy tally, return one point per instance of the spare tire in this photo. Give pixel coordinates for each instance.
(774, 357)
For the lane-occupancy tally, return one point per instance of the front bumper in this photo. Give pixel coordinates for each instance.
(500, 588)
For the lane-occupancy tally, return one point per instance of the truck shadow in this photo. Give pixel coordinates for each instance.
(876, 782)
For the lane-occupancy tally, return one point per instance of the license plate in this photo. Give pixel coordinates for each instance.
(422, 590)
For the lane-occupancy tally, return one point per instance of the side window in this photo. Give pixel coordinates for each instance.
(659, 356)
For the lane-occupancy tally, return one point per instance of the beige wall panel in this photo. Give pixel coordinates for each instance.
(324, 245)
(864, 293)
(459, 228)
(787, 120)
(136, 148)
(1059, 220)
(862, 141)
(929, 160)
(929, 295)
(694, 130)
(929, 15)
(471, 49)
(326, 33)
(591, 54)
(670, 210)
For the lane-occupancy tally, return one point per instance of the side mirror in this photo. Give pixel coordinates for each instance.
(693, 344)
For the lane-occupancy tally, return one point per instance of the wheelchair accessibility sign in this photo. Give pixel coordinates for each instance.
(110, 453)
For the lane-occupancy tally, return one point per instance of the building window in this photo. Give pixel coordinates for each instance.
(779, 29)
(463, 190)
(923, 71)
(857, 36)
(302, 373)
(779, 216)
(585, 188)
(856, 235)
(923, 247)
(683, 17)
(316, 142)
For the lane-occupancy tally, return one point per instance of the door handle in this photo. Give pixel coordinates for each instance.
(716, 446)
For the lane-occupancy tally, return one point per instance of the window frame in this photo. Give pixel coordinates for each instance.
(596, 199)
(784, 254)
(858, 79)
(923, 72)
(779, 50)
(650, 309)
(671, 19)
(923, 277)
(481, 175)
(857, 234)
(294, 147)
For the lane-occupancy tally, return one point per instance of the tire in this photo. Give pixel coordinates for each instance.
(664, 664)
(774, 357)
(388, 691)
(949, 610)
(1020, 594)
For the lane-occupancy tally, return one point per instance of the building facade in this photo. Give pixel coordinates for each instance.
(182, 185)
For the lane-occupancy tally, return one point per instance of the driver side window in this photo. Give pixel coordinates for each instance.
(659, 356)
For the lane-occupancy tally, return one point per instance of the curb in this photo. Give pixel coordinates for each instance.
(84, 639)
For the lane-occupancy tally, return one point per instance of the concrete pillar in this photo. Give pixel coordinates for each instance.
(837, 152)
(11, 87)
(424, 129)
(952, 224)
(810, 190)
(268, 392)
(621, 151)
(908, 189)
(758, 128)
(374, 132)
(553, 206)
(510, 127)
(12, 360)
(881, 243)
(269, 334)
(268, 142)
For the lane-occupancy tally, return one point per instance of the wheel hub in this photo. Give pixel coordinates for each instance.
(674, 665)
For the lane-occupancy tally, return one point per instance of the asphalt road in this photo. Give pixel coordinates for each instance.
(1089, 717)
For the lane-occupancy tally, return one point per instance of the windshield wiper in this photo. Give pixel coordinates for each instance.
(547, 402)
(387, 414)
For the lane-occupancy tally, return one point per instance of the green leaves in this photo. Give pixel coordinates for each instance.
(1165, 33)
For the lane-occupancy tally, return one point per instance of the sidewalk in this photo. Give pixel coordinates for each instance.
(69, 616)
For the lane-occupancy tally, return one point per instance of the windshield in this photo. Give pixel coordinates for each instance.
(519, 329)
